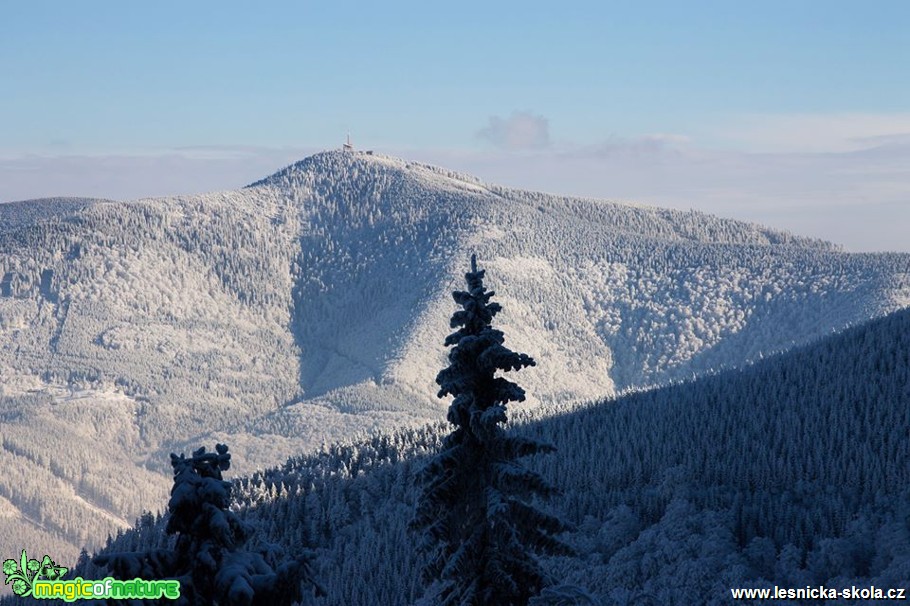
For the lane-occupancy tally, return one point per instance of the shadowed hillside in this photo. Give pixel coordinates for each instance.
(791, 472)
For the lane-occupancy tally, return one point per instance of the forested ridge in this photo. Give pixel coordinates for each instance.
(790, 472)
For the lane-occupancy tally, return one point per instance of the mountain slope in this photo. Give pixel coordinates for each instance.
(312, 305)
(790, 472)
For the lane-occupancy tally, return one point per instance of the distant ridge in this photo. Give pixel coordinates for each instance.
(26, 212)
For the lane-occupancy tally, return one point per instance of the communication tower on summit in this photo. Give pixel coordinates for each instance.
(348, 146)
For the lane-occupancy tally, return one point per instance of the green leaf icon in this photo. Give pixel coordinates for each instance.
(22, 585)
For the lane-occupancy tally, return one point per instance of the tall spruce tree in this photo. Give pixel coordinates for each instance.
(209, 557)
(480, 526)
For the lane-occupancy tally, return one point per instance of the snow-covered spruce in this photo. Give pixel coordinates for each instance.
(209, 557)
(480, 527)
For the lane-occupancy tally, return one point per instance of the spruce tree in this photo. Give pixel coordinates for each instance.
(480, 526)
(209, 556)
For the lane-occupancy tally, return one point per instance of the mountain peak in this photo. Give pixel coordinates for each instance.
(346, 163)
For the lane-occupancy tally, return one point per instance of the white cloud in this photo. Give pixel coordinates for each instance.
(520, 131)
(811, 133)
(643, 146)
(128, 176)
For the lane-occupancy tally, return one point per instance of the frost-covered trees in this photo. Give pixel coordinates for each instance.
(480, 527)
(209, 558)
(750, 478)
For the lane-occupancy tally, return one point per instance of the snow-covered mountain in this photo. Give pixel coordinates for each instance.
(312, 305)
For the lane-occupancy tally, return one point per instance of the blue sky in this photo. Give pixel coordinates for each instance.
(767, 111)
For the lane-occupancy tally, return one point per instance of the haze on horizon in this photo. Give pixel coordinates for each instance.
(792, 115)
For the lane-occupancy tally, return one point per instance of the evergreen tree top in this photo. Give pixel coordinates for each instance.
(206, 464)
(478, 354)
(477, 312)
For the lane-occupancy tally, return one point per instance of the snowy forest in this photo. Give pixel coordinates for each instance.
(713, 404)
(792, 472)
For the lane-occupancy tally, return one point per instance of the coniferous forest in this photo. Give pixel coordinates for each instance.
(311, 307)
(745, 423)
(792, 472)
